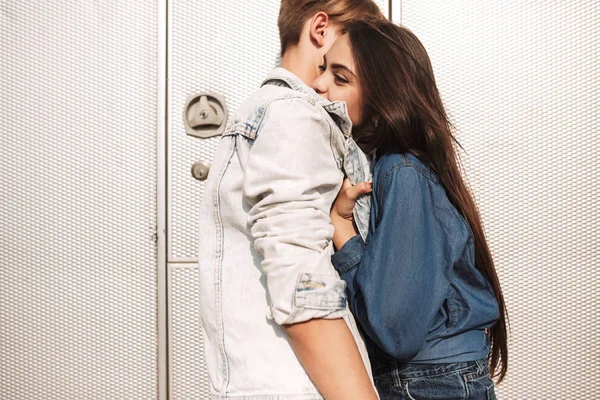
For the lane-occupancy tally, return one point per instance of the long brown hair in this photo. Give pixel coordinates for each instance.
(399, 90)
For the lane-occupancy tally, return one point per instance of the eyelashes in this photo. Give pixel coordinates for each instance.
(338, 79)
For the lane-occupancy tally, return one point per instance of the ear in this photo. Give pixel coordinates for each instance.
(318, 28)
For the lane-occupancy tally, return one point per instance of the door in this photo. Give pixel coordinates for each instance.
(78, 203)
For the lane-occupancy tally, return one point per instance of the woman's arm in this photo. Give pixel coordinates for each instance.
(398, 281)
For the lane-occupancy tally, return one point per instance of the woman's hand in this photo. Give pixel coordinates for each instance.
(341, 212)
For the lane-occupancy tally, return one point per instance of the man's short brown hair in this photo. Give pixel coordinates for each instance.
(293, 14)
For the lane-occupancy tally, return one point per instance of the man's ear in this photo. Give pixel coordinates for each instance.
(318, 28)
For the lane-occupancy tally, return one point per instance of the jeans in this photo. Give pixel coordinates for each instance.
(455, 381)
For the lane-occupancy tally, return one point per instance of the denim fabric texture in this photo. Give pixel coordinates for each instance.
(413, 285)
(453, 381)
(266, 237)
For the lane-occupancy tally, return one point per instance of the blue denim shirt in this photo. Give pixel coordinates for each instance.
(413, 285)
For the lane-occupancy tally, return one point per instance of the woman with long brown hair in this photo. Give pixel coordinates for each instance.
(423, 286)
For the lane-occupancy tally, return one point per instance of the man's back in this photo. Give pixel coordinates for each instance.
(265, 247)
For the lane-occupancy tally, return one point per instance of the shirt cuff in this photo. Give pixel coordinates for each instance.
(317, 296)
(349, 255)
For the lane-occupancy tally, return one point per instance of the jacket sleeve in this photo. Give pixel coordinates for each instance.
(398, 281)
(291, 180)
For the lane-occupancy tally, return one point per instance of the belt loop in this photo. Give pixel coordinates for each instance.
(396, 374)
(481, 365)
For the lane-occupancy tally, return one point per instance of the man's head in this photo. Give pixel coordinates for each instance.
(308, 28)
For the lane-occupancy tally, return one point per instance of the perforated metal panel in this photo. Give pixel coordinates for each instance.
(78, 200)
(224, 47)
(189, 378)
(521, 82)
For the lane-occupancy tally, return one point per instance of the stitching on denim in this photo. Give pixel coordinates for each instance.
(263, 111)
(329, 107)
(220, 240)
(423, 169)
(339, 163)
(480, 373)
(350, 264)
(435, 375)
(326, 306)
(290, 318)
(491, 392)
(258, 121)
(338, 304)
(277, 81)
(398, 166)
(452, 324)
(452, 316)
(396, 380)
(407, 392)
(465, 382)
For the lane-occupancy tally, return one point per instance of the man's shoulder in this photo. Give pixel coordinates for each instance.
(279, 102)
(287, 100)
(279, 96)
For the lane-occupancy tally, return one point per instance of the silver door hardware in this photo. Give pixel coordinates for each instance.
(205, 115)
(200, 170)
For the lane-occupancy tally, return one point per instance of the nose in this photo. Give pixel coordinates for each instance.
(320, 86)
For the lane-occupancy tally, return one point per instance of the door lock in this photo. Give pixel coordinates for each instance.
(205, 115)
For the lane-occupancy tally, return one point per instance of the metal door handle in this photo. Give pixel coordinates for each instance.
(200, 170)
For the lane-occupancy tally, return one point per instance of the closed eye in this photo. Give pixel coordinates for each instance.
(339, 80)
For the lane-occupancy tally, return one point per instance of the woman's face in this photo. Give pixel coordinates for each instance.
(338, 80)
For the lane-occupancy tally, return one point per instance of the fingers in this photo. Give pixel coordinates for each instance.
(352, 192)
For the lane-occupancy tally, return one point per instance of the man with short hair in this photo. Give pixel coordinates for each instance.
(274, 314)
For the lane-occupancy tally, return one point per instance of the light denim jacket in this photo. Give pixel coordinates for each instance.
(266, 237)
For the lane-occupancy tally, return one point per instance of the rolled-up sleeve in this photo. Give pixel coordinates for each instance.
(291, 180)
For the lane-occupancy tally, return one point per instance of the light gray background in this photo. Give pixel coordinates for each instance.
(81, 281)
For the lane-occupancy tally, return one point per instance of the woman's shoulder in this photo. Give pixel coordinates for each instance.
(406, 176)
(404, 164)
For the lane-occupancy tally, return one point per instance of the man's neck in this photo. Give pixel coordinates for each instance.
(293, 61)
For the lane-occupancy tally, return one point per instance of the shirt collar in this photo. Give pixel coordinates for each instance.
(337, 109)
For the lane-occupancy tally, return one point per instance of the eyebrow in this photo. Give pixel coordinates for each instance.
(339, 66)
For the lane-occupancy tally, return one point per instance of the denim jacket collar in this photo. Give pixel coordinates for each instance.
(335, 108)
